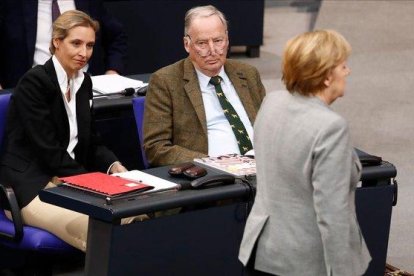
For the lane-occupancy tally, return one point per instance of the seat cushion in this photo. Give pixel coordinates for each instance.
(34, 239)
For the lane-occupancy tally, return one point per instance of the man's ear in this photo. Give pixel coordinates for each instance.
(186, 44)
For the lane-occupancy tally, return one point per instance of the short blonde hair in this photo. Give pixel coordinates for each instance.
(202, 11)
(310, 57)
(69, 20)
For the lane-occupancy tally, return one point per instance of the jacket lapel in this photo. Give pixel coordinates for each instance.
(83, 118)
(239, 81)
(50, 69)
(192, 88)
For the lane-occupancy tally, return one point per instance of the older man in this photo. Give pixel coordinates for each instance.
(204, 104)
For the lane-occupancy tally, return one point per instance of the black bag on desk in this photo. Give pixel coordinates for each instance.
(375, 171)
(370, 160)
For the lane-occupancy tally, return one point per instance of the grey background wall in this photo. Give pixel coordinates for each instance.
(379, 104)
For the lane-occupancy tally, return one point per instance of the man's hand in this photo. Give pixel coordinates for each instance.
(111, 72)
(117, 167)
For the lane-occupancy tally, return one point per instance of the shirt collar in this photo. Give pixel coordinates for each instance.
(204, 80)
(62, 77)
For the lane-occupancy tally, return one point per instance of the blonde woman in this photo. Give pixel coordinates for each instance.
(303, 220)
(50, 131)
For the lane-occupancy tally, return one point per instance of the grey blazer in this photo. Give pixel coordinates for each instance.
(303, 218)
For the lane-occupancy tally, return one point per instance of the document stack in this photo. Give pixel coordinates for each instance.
(104, 185)
(158, 183)
(237, 165)
(105, 85)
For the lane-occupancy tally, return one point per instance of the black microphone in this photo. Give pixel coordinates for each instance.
(126, 92)
(184, 186)
(142, 91)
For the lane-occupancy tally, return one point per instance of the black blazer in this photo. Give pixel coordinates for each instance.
(37, 135)
(18, 27)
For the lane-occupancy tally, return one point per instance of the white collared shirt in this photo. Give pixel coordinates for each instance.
(74, 84)
(221, 139)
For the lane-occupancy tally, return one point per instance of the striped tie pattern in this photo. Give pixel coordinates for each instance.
(242, 137)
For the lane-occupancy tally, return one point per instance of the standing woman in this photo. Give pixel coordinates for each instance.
(50, 129)
(303, 220)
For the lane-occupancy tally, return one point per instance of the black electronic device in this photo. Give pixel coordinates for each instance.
(367, 159)
(142, 91)
(370, 160)
(220, 179)
(195, 172)
(178, 170)
(126, 92)
(188, 170)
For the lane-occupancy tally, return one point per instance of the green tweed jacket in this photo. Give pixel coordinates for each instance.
(175, 128)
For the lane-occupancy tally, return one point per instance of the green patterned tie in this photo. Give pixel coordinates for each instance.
(236, 124)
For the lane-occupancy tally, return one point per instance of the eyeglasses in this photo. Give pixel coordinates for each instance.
(203, 47)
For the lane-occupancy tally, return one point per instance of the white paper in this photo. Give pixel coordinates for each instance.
(114, 83)
(158, 183)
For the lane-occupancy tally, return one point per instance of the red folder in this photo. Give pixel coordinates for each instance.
(104, 184)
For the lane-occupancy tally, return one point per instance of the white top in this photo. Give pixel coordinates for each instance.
(74, 84)
(221, 139)
(44, 28)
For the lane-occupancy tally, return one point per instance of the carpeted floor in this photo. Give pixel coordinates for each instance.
(379, 104)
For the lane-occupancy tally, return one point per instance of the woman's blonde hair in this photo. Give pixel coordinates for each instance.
(69, 20)
(310, 57)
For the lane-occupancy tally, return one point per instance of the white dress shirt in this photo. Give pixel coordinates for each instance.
(74, 84)
(221, 139)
